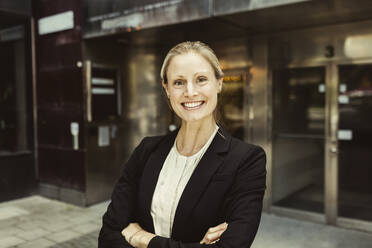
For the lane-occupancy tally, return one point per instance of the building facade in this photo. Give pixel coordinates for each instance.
(298, 82)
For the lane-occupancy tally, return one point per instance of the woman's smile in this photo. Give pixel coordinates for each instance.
(192, 105)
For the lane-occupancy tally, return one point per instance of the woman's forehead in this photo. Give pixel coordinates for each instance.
(189, 63)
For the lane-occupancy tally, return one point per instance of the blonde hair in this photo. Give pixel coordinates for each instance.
(191, 46)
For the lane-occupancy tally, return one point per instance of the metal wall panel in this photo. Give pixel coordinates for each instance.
(22, 7)
(345, 42)
(223, 7)
(278, 18)
(107, 17)
(144, 111)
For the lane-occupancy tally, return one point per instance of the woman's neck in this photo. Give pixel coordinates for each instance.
(192, 136)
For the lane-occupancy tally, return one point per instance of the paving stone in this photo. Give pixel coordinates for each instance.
(100, 207)
(7, 212)
(84, 241)
(10, 242)
(98, 221)
(281, 232)
(32, 234)
(37, 243)
(9, 231)
(8, 222)
(30, 224)
(63, 236)
(67, 224)
(95, 234)
(57, 226)
(87, 228)
(83, 219)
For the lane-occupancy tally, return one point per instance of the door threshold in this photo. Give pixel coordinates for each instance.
(355, 224)
(298, 214)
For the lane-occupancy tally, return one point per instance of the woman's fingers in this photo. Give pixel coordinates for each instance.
(214, 233)
(221, 226)
(211, 237)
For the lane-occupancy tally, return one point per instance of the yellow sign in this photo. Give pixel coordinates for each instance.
(233, 78)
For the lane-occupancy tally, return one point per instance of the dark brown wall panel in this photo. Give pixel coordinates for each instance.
(56, 168)
(17, 176)
(60, 97)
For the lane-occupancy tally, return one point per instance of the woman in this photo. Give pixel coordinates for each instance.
(196, 186)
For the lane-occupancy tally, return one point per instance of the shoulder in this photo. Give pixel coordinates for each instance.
(149, 141)
(244, 148)
(247, 154)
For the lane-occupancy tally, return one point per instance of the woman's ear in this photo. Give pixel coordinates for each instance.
(220, 81)
(165, 87)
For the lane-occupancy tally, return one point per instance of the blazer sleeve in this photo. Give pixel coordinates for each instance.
(243, 207)
(121, 208)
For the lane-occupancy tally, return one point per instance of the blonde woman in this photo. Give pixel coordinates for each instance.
(196, 186)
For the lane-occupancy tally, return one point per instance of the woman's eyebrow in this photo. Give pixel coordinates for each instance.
(200, 72)
(179, 76)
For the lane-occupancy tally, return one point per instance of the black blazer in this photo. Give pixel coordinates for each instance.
(228, 185)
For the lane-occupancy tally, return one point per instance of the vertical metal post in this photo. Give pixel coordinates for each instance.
(331, 147)
(34, 95)
(88, 88)
(260, 86)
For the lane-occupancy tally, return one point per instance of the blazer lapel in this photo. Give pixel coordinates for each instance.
(150, 176)
(199, 180)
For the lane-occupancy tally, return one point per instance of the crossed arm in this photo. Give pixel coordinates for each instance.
(139, 238)
(243, 207)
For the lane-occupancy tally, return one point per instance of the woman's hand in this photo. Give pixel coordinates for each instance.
(131, 230)
(214, 233)
(136, 236)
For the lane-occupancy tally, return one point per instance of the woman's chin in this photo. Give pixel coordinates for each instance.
(195, 118)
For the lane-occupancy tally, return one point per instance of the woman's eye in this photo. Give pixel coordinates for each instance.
(178, 83)
(202, 79)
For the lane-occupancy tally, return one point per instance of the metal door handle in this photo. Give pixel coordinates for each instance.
(333, 150)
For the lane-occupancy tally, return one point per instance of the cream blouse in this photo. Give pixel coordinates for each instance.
(174, 175)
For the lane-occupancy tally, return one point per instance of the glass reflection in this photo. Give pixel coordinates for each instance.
(355, 142)
(14, 92)
(231, 102)
(298, 138)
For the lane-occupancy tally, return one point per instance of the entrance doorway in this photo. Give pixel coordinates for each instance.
(299, 138)
(322, 149)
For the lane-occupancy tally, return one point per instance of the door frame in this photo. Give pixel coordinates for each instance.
(331, 163)
(303, 214)
(333, 218)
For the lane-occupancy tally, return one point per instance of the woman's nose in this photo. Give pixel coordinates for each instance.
(190, 89)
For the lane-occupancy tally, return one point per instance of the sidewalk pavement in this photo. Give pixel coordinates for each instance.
(38, 222)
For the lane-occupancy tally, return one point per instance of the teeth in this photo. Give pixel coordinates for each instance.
(192, 104)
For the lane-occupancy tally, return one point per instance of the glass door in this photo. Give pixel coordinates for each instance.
(299, 138)
(355, 141)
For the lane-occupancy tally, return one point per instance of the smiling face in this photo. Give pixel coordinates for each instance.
(192, 87)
